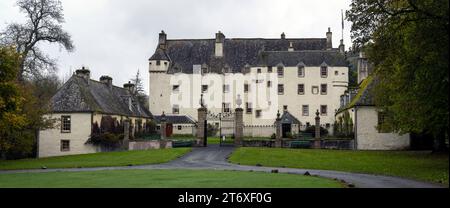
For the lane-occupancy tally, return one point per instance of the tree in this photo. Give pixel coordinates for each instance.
(43, 24)
(11, 118)
(139, 89)
(407, 41)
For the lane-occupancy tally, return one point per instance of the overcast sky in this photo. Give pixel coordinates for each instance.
(116, 37)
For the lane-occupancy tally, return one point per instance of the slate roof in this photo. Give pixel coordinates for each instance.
(81, 95)
(365, 95)
(288, 118)
(241, 52)
(175, 119)
(308, 58)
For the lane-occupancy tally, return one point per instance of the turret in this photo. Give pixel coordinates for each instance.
(160, 61)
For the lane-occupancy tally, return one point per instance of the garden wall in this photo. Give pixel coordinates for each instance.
(342, 144)
(146, 145)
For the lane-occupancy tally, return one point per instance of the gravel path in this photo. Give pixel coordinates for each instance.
(215, 157)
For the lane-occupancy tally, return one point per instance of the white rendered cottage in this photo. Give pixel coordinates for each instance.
(366, 117)
(82, 102)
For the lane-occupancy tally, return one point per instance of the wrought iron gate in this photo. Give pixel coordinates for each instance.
(226, 126)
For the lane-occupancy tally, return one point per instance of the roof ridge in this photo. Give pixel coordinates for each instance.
(212, 39)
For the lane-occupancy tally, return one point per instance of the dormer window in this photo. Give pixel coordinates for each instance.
(324, 71)
(204, 70)
(301, 71)
(280, 71)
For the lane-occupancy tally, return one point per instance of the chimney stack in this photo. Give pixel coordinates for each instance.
(342, 47)
(106, 80)
(130, 87)
(220, 40)
(162, 40)
(283, 36)
(329, 39)
(84, 73)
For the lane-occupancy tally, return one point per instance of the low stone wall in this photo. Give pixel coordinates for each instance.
(146, 145)
(342, 144)
(258, 143)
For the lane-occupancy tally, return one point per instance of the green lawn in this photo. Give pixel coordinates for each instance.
(408, 164)
(163, 179)
(105, 159)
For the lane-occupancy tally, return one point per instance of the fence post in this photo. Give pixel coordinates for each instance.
(278, 138)
(201, 128)
(163, 127)
(239, 127)
(126, 134)
(317, 131)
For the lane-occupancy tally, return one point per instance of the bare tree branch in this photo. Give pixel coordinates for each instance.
(44, 19)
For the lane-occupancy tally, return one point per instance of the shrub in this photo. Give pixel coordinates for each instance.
(273, 136)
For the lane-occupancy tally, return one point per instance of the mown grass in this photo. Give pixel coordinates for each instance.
(163, 179)
(409, 164)
(104, 159)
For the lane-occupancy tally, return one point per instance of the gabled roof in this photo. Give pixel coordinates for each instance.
(240, 52)
(175, 119)
(81, 95)
(288, 118)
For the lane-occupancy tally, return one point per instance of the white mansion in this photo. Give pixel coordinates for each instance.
(295, 76)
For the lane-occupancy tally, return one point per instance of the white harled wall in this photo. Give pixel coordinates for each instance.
(337, 82)
(368, 137)
(50, 139)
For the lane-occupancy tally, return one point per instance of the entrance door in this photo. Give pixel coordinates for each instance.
(285, 128)
(169, 130)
